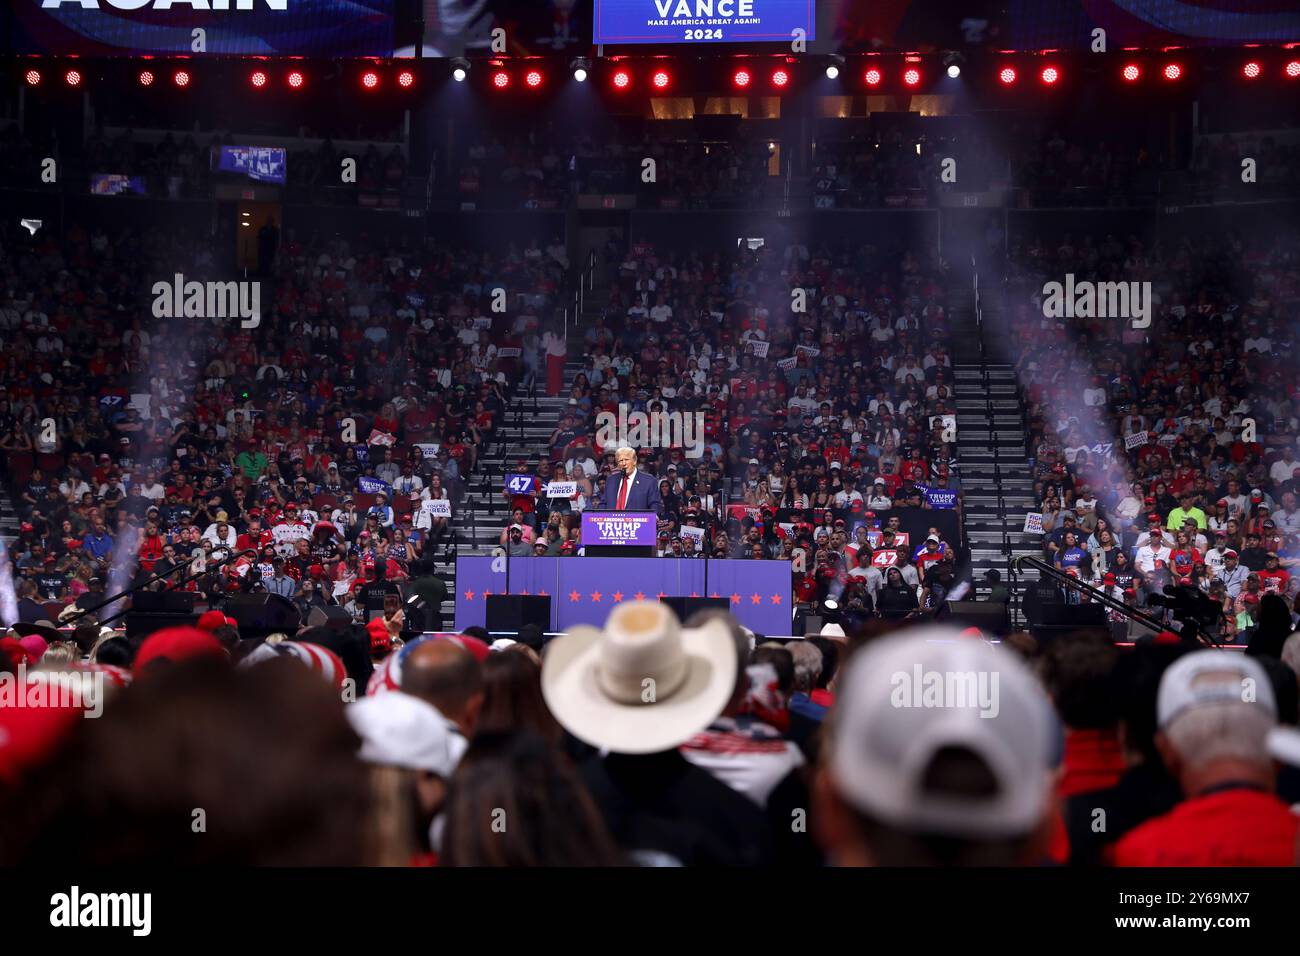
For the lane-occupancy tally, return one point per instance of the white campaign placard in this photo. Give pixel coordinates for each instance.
(509, 353)
(1033, 523)
(759, 347)
(1135, 440)
(561, 489)
(437, 507)
(696, 533)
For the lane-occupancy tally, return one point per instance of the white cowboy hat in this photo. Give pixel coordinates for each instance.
(642, 685)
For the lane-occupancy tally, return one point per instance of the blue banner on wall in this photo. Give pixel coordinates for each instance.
(247, 27)
(703, 21)
(585, 590)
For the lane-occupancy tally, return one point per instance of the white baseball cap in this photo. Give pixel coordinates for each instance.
(398, 730)
(1208, 677)
(907, 697)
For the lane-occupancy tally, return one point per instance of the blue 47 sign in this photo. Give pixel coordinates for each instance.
(689, 21)
(519, 484)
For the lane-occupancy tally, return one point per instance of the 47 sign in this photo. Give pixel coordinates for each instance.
(519, 484)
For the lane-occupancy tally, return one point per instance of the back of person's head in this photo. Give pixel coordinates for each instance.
(444, 674)
(59, 655)
(939, 755)
(512, 700)
(1078, 670)
(351, 644)
(268, 768)
(741, 640)
(1137, 682)
(530, 635)
(515, 801)
(782, 662)
(1215, 708)
(807, 660)
(1291, 652)
(116, 651)
(830, 659)
(85, 636)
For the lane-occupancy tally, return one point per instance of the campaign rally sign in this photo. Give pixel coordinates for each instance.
(1033, 523)
(696, 533)
(1135, 440)
(561, 489)
(710, 21)
(759, 347)
(428, 449)
(619, 527)
(941, 497)
(369, 485)
(437, 507)
(519, 484)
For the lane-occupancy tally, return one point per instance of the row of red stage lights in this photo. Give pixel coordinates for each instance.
(621, 79)
(1132, 72)
(258, 79)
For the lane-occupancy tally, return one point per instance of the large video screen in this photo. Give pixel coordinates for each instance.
(266, 28)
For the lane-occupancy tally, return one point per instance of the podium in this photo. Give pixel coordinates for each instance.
(619, 534)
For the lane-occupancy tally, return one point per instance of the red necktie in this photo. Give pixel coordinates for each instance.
(622, 493)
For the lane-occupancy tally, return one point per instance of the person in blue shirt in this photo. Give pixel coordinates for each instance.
(1071, 555)
(98, 543)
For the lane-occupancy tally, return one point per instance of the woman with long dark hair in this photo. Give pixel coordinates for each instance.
(515, 801)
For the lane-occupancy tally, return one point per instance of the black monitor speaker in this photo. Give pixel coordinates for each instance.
(510, 612)
(260, 615)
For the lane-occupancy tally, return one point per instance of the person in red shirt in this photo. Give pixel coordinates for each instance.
(1274, 578)
(1215, 710)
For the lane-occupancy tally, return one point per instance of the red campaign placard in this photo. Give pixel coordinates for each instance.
(885, 559)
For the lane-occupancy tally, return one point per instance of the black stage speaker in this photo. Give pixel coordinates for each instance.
(510, 612)
(988, 617)
(140, 624)
(684, 607)
(1063, 620)
(260, 615)
(329, 616)
(173, 602)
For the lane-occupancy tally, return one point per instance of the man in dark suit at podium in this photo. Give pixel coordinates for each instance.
(630, 490)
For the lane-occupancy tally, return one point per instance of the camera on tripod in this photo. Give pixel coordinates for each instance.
(1190, 606)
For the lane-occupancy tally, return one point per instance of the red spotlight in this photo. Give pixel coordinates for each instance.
(622, 80)
(258, 79)
(296, 80)
(1007, 75)
(1252, 70)
(1172, 71)
(72, 78)
(780, 79)
(1292, 69)
(660, 79)
(370, 80)
(181, 78)
(912, 77)
(741, 78)
(533, 78)
(406, 79)
(873, 77)
(500, 79)
(1050, 75)
(1131, 73)
(146, 78)
(33, 77)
